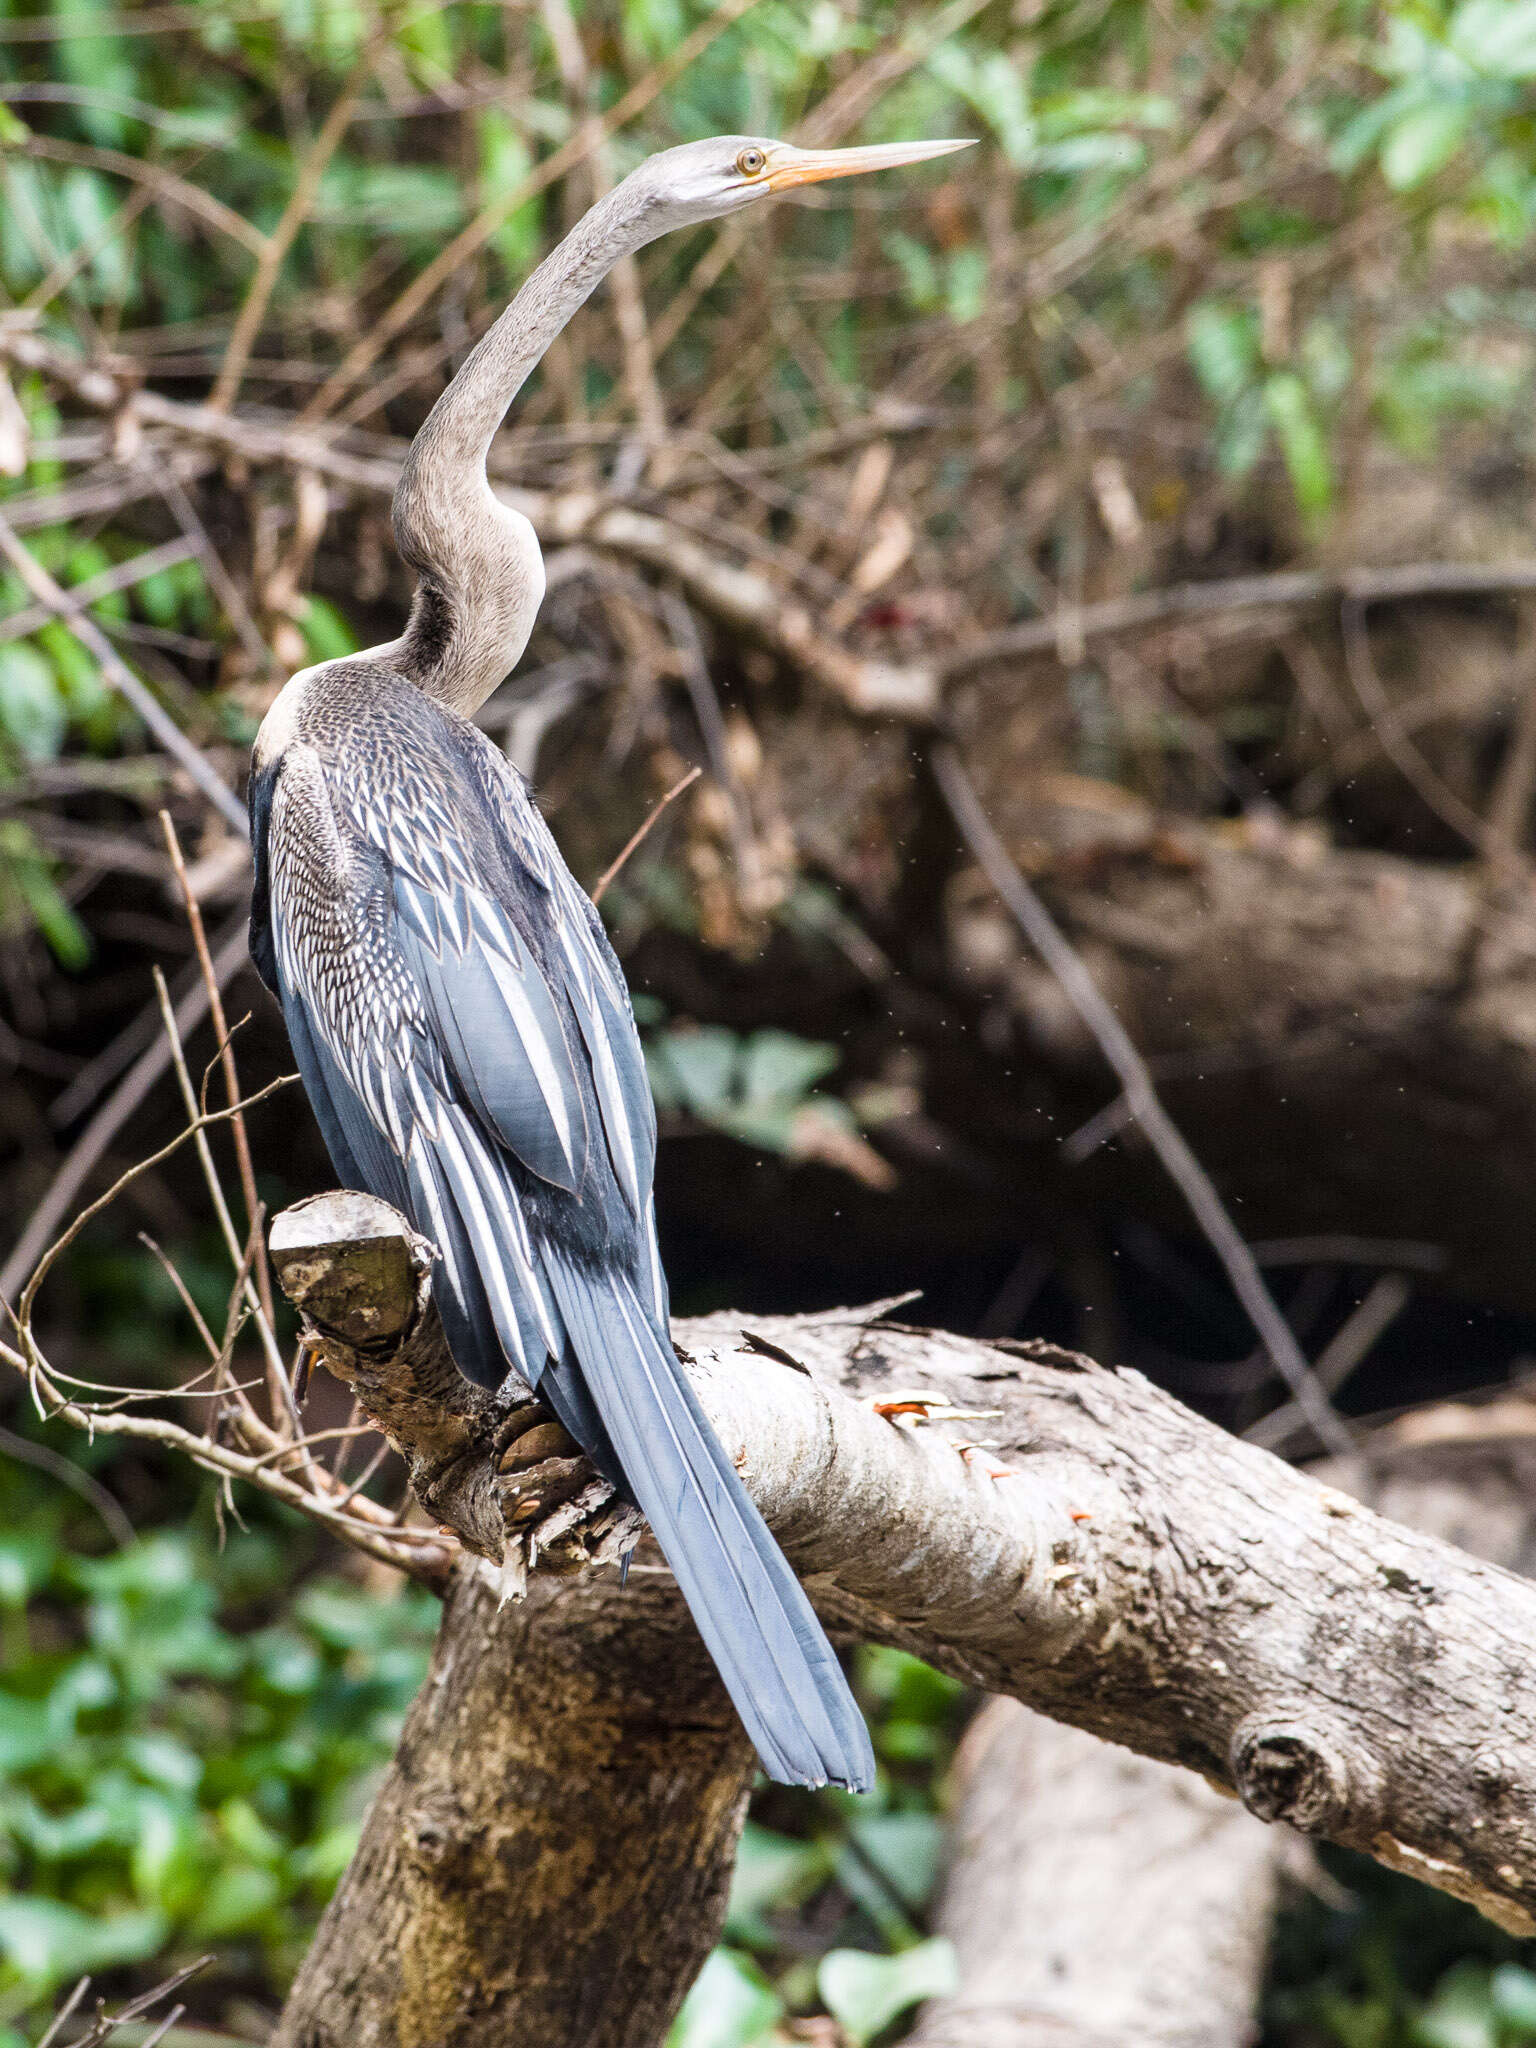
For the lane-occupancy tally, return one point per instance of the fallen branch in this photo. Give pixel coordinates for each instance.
(1110, 1559)
(745, 598)
(1096, 1899)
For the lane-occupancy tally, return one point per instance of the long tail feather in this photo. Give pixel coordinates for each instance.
(751, 1610)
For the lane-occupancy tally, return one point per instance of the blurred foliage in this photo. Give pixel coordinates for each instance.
(860, 1871)
(1296, 231)
(187, 1743)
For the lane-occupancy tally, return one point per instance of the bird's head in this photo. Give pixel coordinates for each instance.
(727, 173)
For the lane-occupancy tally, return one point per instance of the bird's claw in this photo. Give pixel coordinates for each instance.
(554, 1504)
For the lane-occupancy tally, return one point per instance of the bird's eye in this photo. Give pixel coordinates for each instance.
(750, 162)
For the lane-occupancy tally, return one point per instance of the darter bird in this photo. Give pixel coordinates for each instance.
(460, 1021)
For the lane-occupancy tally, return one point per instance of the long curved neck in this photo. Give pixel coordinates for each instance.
(482, 576)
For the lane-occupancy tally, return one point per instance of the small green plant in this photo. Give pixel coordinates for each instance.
(185, 1755)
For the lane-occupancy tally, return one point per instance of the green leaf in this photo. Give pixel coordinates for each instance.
(729, 2006)
(45, 1941)
(1289, 406)
(26, 1734)
(237, 1900)
(905, 1848)
(1496, 38)
(1423, 142)
(702, 1066)
(772, 1870)
(26, 1560)
(327, 636)
(967, 287)
(864, 1993)
(1461, 2013)
(920, 273)
(777, 1066)
(1223, 346)
(505, 162)
(32, 712)
(997, 88)
(1514, 1998)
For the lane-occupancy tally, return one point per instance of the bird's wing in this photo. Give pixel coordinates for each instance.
(444, 1048)
(598, 995)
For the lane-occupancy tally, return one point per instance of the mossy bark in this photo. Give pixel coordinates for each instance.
(548, 1858)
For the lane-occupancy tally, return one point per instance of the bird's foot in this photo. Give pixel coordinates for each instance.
(559, 1511)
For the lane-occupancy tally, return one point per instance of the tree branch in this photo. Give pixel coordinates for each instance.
(1114, 1561)
(1096, 1899)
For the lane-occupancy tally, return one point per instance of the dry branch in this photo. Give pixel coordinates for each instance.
(745, 598)
(1095, 1898)
(1128, 1568)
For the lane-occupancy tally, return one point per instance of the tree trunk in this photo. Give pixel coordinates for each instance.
(1116, 1561)
(548, 1858)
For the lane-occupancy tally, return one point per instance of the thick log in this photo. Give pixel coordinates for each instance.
(1095, 1898)
(1128, 1568)
(548, 1858)
(1348, 1039)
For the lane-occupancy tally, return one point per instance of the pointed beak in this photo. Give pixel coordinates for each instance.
(788, 166)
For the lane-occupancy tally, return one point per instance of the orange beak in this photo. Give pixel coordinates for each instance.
(788, 166)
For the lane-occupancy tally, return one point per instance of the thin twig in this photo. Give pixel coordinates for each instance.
(1436, 793)
(294, 215)
(1167, 1141)
(451, 259)
(222, 1032)
(66, 1237)
(69, 1474)
(638, 835)
(229, 955)
(1369, 1320)
(65, 2011)
(120, 576)
(168, 1266)
(115, 671)
(225, 588)
(277, 1379)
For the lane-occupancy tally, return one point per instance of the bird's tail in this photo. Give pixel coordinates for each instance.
(751, 1610)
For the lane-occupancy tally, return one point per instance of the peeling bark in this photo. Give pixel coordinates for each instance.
(1115, 1562)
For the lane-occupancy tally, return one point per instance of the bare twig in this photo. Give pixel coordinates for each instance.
(1395, 743)
(452, 258)
(636, 837)
(226, 1058)
(66, 606)
(229, 955)
(1191, 1178)
(1382, 1305)
(277, 1378)
(121, 576)
(275, 248)
(69, 1474)
(1286, 590)
(163, 182)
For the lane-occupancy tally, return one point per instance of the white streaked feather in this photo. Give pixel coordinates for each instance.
(537, 1052)
(492, 1272)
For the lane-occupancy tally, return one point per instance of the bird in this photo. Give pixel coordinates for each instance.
(461, 1024)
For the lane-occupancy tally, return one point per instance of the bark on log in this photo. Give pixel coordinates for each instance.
(1347, 1039)
(548, 1858)
(1095, 1898)
(1116, 1562)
